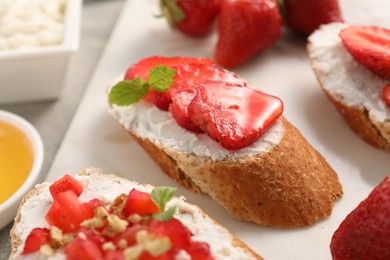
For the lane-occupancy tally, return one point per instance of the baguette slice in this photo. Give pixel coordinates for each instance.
(280, 180)
(355, 92)
(223, 244)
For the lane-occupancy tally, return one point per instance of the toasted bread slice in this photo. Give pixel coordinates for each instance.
(355, 92)
(280, 180)
(223, 244)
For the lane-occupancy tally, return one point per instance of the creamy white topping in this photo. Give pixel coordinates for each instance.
(158, 126)
(31, 23)
(107, 189)
(347, 80)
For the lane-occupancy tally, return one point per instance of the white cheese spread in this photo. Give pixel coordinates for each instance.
(26, 24)
(342, 76)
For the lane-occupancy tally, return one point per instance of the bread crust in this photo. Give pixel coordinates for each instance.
(16, 241)
(290, 186)
(372, 131)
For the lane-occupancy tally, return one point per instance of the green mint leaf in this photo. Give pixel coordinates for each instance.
(165, 215)
(176, 11)
(161, 195)
(127, 92)
(161, 77)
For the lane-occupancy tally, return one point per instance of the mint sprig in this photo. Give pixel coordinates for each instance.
(161, 196)
(161, 77)
(128, 92)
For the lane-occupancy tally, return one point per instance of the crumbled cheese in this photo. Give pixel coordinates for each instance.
(115, 226)
(28, 24)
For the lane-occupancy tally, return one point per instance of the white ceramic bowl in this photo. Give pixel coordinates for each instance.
(39, 73)
(9, 207)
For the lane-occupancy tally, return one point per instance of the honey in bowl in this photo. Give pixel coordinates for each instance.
(16, 159)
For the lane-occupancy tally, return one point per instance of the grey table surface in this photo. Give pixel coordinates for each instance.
(52, 118)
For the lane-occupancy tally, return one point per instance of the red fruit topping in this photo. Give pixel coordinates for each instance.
(233, 115)
(197, 16)
(246, 27)
(83, 249)
(369, 46)
(67, 212)
(66, 183)
(129, 235)
(178, 234)
(305, 16)
(91, 205)
(181, 64)
(114, 255)
(365, 232)
(386, 94)
(140, 203)
(37, 238)
(186, 84)
(200, 251)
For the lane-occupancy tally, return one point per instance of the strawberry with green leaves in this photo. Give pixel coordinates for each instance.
(245, 28)
(305, 16)
(191, 17)
(365, 232)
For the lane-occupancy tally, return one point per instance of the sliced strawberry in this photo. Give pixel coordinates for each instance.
(246, 27)
(365, 232)
(197, 17)
(139, 202)
(386, 94)
(129, 235)
(305, 16)
(142, 68)
(37, 238)
(233, 115)
(200, 251)
(67, 212)
(66, 183)
(369, 46)
(91, 205)
(178, 234)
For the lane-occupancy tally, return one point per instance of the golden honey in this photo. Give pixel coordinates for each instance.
(16, 159)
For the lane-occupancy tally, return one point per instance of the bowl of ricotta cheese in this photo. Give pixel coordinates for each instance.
(37, 39)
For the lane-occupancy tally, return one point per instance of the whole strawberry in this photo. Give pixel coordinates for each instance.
(191, 17)
(305, 16)
(365, 232)
(246, 27)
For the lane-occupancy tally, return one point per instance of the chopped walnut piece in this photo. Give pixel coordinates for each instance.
(152, 244)
(101, 213)
(133, 252)
(47, 250)
(108, 246)
(134, 218)
(122, 244)
(115, 226)
(118, 205)
(57, 239)
(82, 236)
(93, 223)
(67, 238)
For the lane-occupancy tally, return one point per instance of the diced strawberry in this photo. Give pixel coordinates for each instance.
(166, 256)
(37, 238)
(178, 234)
(66, 183)
(81, 248)
(67, 212)
(140, 203)
(91, 205)
(200, 251)
(129, 235)
(233, 115)
(370, 46)
(114, 255)
(386, 94)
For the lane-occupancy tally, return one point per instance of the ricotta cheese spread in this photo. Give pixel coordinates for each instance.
(26, 24)
(158, 126)
(106, 188)
(341, 75)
